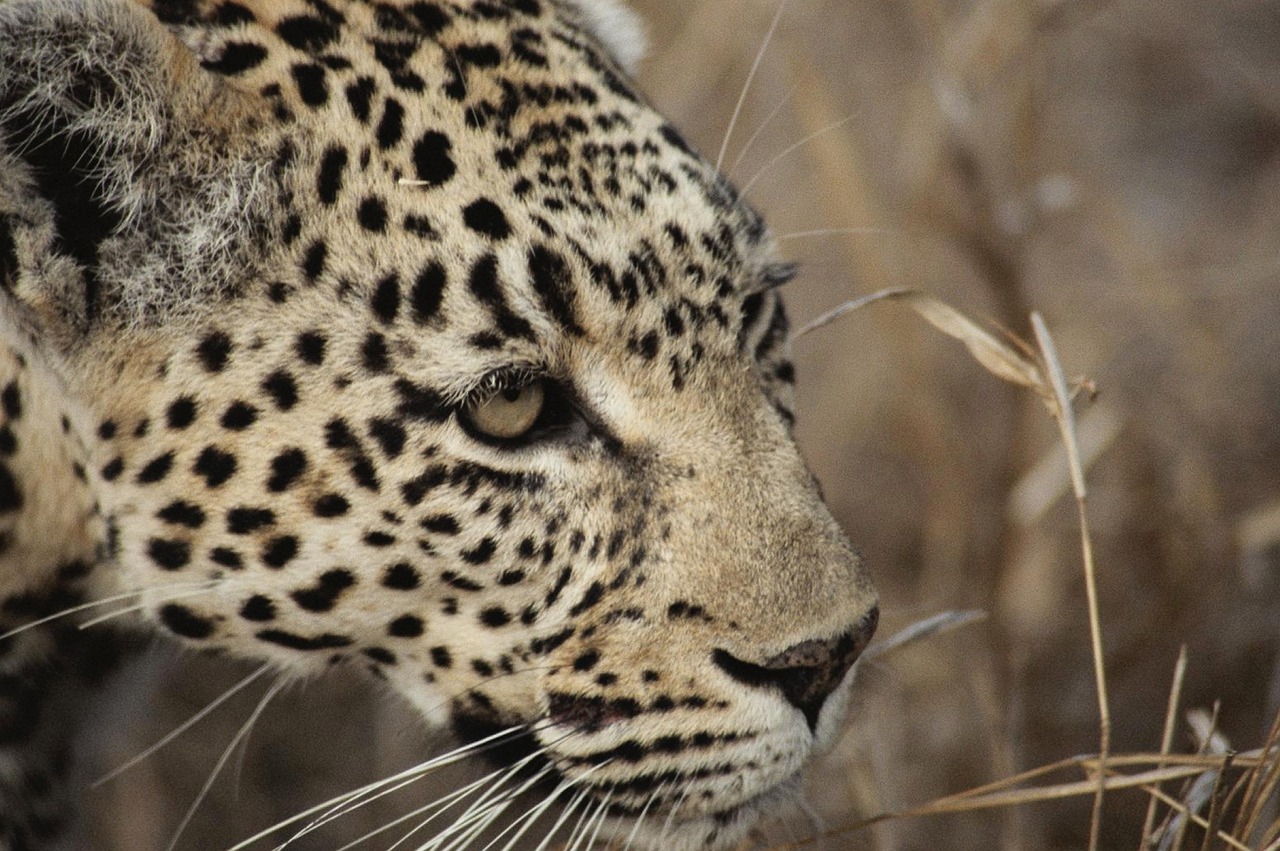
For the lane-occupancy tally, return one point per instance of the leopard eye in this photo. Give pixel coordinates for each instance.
(507, 413)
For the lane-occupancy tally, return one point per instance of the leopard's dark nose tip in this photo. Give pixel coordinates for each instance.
(806, 673)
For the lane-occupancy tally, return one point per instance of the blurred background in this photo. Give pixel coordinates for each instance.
(1113, 165)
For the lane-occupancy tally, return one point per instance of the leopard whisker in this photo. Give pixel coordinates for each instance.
(635, 829)
(222, 761)
(480, 808)
(790, 149)
(495, 809)
(564, 816)
(475, 824)
(666, 825)
(805, 234)
(346, 807)
(442, 804)
(183, 727)
(92, 604)
(523, 823)
(599, 818)
(453, 756)
(746, 86)
(583, 823)
(763, 124)
(139, 607)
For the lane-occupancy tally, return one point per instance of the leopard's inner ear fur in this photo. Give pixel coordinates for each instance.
(112, 214)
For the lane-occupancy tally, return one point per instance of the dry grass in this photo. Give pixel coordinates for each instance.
(1113, 164)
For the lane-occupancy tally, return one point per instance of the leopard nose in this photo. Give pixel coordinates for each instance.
(806, 673)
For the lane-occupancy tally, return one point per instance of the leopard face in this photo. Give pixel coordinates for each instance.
(408, 335)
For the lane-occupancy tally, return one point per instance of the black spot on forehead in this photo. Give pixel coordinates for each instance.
(237, 57)
(214, 350)
(484, 285)
(485, 217)
(432, 158)
(359, 97)
(308, 33)
(333, 164)
(310, 81)
(391, 127)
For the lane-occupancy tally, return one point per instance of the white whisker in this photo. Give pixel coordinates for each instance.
(635, 830)
(746, 87)
(453, 756)
(182, 728)
(666, 825)
(222, 761)
(763, 124)
(480, 816)
(564, 816)
(344, 805)
(790, 149)
(581, 827)
(142, 607)
(599, 819)
(531, 816)
(114, 598)
(495, 810)
(804, 234)
(480, 813)
(442, 804)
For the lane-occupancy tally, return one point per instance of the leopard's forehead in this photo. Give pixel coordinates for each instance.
(497, 142)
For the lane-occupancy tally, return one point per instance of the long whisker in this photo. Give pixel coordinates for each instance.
(481, 821)
(564, 816)
(635, 830)
(763, 124)
(142, 607)
(442, 804)
(222, 761)
(582, 825)
(477, 809)
(604, 815)
(183, 727)
(477, 824)
(791, 149)
(456, 755)
(599, 819)
(666, 825)
(114, 598)
(531, 816)
(804, 234)
(746, 87)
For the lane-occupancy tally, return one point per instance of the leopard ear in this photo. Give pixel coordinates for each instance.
(127, 176)
(615, 26)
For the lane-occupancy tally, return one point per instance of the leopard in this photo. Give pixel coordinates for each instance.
(407, 337)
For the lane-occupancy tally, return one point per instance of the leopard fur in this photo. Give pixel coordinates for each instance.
(263, 263)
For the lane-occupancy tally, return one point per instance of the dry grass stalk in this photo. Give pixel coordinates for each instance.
(1044, 375)
(1064, 415)
(1166, 738)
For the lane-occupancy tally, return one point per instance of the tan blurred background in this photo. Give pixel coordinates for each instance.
(1113, 165)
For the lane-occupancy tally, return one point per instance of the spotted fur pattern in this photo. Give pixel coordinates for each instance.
(257, 258)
